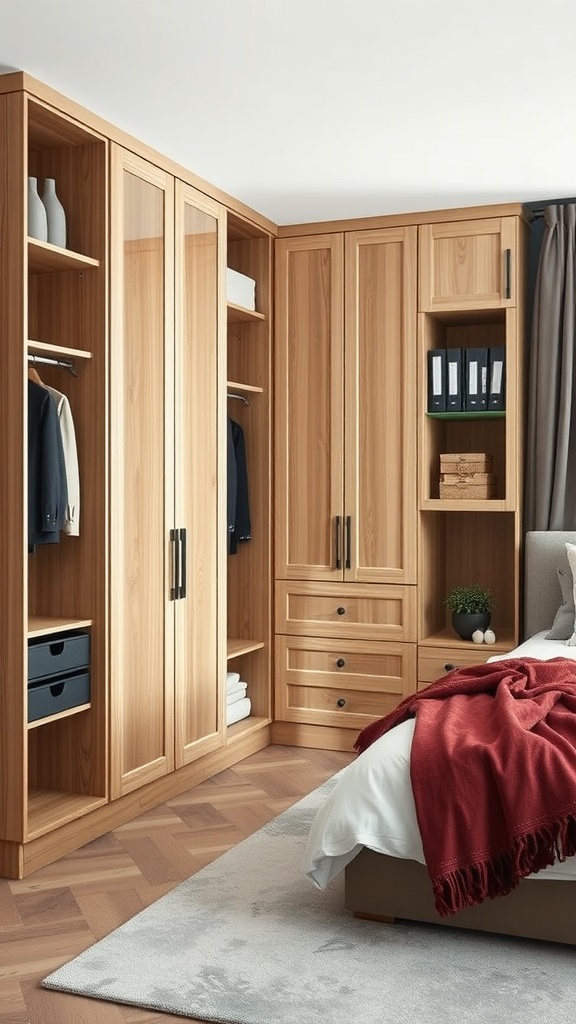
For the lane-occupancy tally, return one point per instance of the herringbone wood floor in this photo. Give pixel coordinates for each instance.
(54, 914)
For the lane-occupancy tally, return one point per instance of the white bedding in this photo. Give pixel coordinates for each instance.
(372, 804)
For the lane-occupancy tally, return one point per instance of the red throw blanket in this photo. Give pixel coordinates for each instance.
(493, 770)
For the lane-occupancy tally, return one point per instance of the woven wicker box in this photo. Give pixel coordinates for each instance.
(465, 463)
(480, 485)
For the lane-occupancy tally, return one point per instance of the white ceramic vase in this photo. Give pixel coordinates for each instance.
(55, 215)
(37, 221)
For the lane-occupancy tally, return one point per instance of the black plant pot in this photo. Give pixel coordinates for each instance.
(466, 623)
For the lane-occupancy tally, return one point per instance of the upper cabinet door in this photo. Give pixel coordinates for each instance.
(199, 258)
(468, 264)
(380, 411)
(142, 473)
(309, 408)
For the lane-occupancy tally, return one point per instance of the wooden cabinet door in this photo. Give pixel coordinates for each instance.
(199, 340)
(309, 464)
(380, 409)
(142, 473)
(468, 264)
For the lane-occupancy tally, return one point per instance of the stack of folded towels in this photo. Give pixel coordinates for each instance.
(238, 705)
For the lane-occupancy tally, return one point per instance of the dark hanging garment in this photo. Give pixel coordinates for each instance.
(239, 528)
(232, 487)
(47, 487)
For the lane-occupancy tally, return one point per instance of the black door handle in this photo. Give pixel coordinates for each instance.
(183, 563)
(338, 542)
(175, 544)
(348, 540)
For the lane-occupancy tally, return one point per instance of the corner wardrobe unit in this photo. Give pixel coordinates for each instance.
(366, 549)
(145, 596)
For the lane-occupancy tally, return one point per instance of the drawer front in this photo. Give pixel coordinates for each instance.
(358, 611)
(58, 654)
(57, 695)
(322, 682)
(434, 662)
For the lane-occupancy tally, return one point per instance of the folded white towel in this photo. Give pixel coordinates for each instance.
(237, 693)
(232, 679)
(238, 710)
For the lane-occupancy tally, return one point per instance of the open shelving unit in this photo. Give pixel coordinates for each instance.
(249, 377)
(464, 540)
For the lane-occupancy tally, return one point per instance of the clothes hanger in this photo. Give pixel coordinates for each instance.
(33, 375)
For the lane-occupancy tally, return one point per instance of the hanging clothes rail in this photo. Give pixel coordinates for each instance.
(239, 398)
(68, 364)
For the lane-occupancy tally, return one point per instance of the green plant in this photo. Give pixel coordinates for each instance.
(469, 599)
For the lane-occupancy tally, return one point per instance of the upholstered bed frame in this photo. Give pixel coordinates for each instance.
(387, 888)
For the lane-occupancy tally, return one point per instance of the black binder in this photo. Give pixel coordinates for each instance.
(476, 377)
(454, 400)
(437, 380)
(497, 377)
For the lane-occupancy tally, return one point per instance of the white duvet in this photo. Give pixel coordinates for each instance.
(372, 804)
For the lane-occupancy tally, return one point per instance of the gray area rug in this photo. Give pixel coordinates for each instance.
(249, 940)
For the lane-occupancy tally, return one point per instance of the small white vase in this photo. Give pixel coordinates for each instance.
(55, 215)
(37, 221)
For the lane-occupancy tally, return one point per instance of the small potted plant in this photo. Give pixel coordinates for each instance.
(470, 606)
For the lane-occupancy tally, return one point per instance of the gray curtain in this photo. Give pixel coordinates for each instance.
(550, 465)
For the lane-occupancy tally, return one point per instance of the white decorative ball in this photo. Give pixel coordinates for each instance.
(478, 636)
(489, 637)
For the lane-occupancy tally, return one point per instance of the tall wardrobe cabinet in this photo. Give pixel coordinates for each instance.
(345, 461)
(116, 636)
(166, 252)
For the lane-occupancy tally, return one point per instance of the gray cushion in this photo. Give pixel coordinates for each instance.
(563, 625)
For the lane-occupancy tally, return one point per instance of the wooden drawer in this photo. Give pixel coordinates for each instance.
(359, 611)
(323, 682)
(434, 662)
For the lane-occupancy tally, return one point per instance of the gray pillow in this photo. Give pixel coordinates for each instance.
(563, 625)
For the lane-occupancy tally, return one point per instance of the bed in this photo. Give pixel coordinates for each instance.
(380, 848)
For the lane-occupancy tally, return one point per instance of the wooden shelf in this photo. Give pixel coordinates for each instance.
(244, 387)
(56, 351)
(61, 714)
(247, 725)
(487, 414)
(44, 258)
(448, 638)
(236, 648)
(240, 315)
(465, 505)
(42, 625)
(48, 809)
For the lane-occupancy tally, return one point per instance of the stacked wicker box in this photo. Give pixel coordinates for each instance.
(467, 475)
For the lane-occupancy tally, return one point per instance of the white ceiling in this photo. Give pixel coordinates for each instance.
(320, 109)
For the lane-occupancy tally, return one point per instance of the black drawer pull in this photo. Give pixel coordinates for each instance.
(449, 666)
(341, 611)
(340, 662)
(341, 702)
(56, 649)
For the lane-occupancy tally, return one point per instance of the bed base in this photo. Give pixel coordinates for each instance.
(386, 888)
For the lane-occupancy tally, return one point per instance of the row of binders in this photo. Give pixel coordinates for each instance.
(467, 379)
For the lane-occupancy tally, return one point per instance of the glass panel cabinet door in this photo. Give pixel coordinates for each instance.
(141, 447)
(198, 252)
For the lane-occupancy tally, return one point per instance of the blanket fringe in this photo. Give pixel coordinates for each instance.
(468, 886)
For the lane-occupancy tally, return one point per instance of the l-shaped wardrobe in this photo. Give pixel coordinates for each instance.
(116, 642)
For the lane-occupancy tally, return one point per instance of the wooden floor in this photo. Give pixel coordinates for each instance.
(54, 914)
